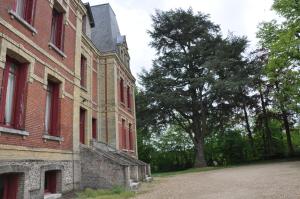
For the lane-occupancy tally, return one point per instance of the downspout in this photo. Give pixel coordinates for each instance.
(106, 114)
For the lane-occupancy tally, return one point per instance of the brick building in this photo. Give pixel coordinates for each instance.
(67, 113)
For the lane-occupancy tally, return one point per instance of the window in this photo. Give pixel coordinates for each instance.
(52, 109)
(128, 97)
(9, 186)
(83, 71)
(25, 9)
(82, 126)
(123, 134)
(84, 20)
(50, 182)
(130, 137)
(57, 29)
(12, 95)
(122, 90)
(94, 130)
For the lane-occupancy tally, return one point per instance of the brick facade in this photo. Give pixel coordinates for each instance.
(31, 44)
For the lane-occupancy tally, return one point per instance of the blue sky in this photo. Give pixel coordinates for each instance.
(134, 18)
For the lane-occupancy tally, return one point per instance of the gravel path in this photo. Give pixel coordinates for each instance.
(274, 180)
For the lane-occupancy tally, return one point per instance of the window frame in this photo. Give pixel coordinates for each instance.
(52, 115)
(122, 97)
(94, 128)
(83, 72)
(11, 185)
(19, 94)
(57, 35)
(27, 10)
(50, 182)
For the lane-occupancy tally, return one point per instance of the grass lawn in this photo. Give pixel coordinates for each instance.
(115, 193)
(192, 170)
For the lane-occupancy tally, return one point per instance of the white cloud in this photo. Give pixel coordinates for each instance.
(238, 16)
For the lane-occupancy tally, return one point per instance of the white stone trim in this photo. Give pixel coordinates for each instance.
(22, 21)
(13, 131)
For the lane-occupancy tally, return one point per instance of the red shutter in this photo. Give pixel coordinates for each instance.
(59, 30)
(120, 136)
(19, 112)
(52, 182)
(82, 126)
(128, 97)
(94, 126)
(130, 137)
(29, 11)
(3, 90)
(12, 186)
(124, 135)
(55, 111)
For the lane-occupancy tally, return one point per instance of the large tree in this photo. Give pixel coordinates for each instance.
(194, 77)
(282, 40)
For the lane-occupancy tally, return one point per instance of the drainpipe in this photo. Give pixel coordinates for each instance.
(106, 114)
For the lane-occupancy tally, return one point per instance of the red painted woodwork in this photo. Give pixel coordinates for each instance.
(94, 130)
(83, 70)
(123, 135)
(10, 186)
(21, 89)
(50, 182)
(29, 11)
(57, 29)
(128, 97)
(122, 90)
(130, 137)
(55, 110)
(82, 126)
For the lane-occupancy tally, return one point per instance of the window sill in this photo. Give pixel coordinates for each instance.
(53, 138)
(83, 88)
(128, 150)
(61, 53)
(13, 131)
(22, 21)
(52, 195)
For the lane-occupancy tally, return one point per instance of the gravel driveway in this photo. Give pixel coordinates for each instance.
(273, 180)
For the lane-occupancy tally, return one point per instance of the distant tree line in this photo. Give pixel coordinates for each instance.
(206, 101)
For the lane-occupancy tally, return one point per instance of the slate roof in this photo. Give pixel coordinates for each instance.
(106, 34)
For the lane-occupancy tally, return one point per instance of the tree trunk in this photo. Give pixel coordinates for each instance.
(248, 127)
(199, 152)
(288, 133)
(268, 133)
(286, 125)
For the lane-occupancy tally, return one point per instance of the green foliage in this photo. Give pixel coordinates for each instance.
(115, 193)
(194, 76)
(204, 99)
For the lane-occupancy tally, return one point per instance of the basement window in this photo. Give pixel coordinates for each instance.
(9, 186)
(50, 182)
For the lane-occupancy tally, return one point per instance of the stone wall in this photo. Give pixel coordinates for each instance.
(100, 171)
(32, 173)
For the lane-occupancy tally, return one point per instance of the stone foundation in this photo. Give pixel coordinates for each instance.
(32, 173)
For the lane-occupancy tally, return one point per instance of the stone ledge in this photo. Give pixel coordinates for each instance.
(52, 196)
(53, 138)
(13, 131)
(22, 21)
(61, 53)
